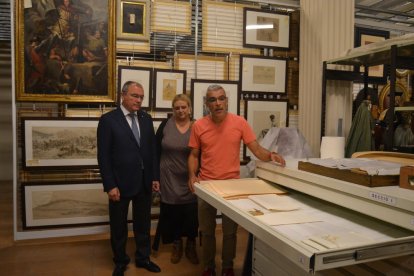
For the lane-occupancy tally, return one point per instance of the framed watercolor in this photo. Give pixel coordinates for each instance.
(141, 75)
(365, 36)
(167, 84)
(71, 57)
(133, 19)
(198, 94)
(63, 204)
(263, 74)
(265, 29)
(262, 115)
(53, 143)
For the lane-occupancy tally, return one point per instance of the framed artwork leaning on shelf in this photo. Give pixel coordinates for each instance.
(265, 29)
(52, 143)
(198, 94)
(364, 37)
(65, 52)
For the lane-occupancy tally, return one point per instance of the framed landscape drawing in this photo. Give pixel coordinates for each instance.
(263, 115)
(141, 75)
(52, 143)
(167, 84)
(263, 74)
(64, 203)
(65, 52)
(265, 29)
(365, 36)
(198, 94)
(72, 203)
(133, 19)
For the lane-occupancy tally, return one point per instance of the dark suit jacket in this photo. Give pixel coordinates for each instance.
(120, 157)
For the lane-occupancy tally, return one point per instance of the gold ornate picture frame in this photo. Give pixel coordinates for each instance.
(65, 52)
(133, 20)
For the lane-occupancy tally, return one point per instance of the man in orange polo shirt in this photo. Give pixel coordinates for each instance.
(217, 137)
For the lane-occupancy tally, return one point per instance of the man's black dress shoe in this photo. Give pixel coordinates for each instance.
(119, 270)
(148, 265)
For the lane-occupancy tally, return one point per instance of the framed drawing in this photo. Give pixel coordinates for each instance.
(141, 75)
(133, 19)
(52, 143)
(62, 204)
(198, 95)
(262, 115)
(365, 36)
(265, 29)
(167, 84)
(263, 74)
(65, 51)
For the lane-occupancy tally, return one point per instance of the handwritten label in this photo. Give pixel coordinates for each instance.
(383, 198)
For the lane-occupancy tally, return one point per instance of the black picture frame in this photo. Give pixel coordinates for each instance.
(364, 36)
(276, 36)
(167, 84)
(142, 75)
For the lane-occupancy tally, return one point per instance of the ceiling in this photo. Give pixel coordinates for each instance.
(396, 16)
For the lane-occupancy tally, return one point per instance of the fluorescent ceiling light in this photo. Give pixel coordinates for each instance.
(256, 27)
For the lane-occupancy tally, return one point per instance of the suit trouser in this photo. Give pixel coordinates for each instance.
(141, 218)
(207, 220)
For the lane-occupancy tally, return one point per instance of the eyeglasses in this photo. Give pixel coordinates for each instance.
(136, 96)
(213, 99)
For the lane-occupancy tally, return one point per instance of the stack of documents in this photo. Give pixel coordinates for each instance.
(273, 202)
(235, 188)
(337, 240)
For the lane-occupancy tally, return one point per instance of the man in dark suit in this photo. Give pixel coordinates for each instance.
(127, 162)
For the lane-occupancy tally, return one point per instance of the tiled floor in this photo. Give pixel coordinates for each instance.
(79, 256)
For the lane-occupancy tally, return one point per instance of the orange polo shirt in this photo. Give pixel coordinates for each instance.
(220, 145)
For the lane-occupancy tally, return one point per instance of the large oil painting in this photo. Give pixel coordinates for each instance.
(65, 50)
(55, 143)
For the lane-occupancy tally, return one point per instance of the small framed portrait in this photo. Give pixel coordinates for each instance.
(263, 115)
(133, 19)
(142, 75)
(198, 95)
(167, 84)
(364, 37)
(263, 74)
(265, 29)
(55, 143)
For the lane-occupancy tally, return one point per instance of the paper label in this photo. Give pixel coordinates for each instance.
(383, 198)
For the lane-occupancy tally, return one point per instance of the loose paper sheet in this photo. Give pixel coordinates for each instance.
(275, 202)
(281, 218)
(241, 187)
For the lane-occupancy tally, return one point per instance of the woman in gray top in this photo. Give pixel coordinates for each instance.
(178, 216)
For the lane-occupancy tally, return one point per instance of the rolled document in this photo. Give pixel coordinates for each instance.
(332, 147)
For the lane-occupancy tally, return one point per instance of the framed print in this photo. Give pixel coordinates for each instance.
(365, 36)
(141, 75)
(133, 19)
(65, 51)
(263, 74)
(265, 29)
(167, 84)
(263, 115)
(52, 143)
(62, 204)
(74, 203)
(198, 95)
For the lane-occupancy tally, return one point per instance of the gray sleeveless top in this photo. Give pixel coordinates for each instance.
(173, 166)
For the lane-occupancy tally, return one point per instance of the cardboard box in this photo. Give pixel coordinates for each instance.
(407, 177)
